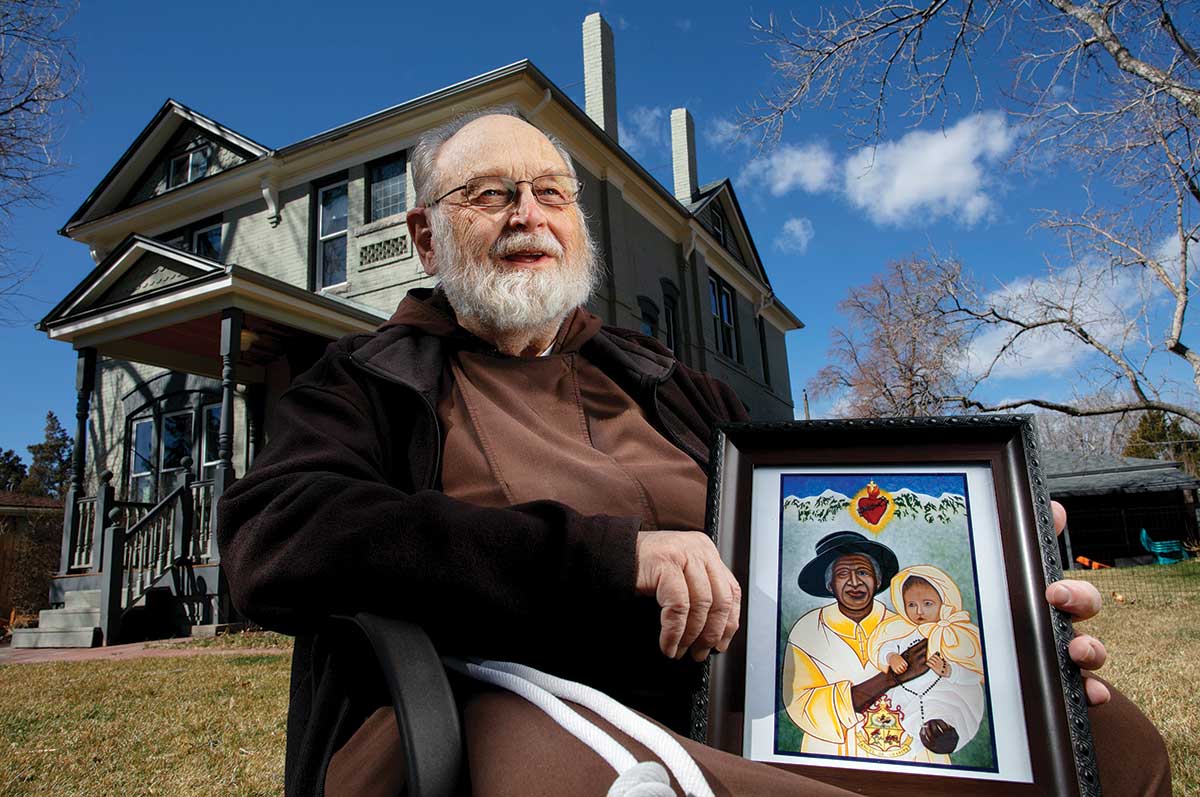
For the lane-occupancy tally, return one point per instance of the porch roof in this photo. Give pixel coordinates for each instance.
(150, 303)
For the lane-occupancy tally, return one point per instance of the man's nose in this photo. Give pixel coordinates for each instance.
(527, 212)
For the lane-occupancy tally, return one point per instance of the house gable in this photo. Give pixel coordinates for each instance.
(189, 142)
(718, 211)
(149, 272)
(143, 171)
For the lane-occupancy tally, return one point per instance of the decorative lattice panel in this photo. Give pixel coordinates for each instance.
(390, 249)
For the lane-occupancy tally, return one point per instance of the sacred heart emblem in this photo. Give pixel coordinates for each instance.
(872, 507)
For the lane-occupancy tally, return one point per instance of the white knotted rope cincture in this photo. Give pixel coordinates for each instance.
(645, 779)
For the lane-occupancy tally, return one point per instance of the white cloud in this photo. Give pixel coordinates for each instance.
(1107, 304)
(644, 129)
(622, 23)
(931, 174)
(684, 25)
(809, 167)
(797, 234)
(721, 132)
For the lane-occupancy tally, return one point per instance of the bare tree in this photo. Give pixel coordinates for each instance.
(38, 77)
(898, 354)
(1111, 88)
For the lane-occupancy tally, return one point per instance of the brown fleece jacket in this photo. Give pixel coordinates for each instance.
(343, 512)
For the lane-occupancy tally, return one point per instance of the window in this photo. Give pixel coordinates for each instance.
(210, 454)
(206, 242)
(721, 299)
(189, 166)
(671, 322)
(331, 233)
(386, 192)
(649, 324)
(762, 346)
(176, 439)
(718, 222)
(141, 466)
(670, 313)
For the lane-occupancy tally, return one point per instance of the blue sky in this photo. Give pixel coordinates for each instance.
(278, 73)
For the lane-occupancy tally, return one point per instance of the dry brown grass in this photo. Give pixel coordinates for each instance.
(197, 725)
(214, 725)
(1153, 641)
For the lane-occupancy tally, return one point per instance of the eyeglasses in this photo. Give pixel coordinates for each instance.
(495, 192)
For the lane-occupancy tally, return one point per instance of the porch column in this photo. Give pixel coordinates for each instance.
(231, 341)
(231, 333)
(85, 383)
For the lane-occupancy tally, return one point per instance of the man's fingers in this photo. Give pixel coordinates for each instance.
(700, 600)
(1060, 516)
(1079, 599)
(1087, 652)
(718, 613)
(1096, 692)
(734, 621)
(672, 596)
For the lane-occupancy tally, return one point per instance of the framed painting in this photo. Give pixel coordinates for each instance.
(895, 637)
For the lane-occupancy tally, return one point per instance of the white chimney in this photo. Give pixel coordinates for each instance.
(683, 154)
(599, 74)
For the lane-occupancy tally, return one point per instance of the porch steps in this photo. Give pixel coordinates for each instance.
(76, 625)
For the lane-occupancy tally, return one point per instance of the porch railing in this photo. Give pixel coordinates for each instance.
(203, 506)
(84, 536)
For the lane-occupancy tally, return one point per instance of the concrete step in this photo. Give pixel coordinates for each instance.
(56, 637)
(60, 619)
(82, 599)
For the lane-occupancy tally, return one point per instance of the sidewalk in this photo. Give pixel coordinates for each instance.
(134, 650)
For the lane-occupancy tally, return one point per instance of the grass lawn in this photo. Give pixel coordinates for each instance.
(214, 724)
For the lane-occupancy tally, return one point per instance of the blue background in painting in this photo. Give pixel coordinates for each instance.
(933, 484)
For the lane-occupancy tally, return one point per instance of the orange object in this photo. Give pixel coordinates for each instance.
(1091, 564)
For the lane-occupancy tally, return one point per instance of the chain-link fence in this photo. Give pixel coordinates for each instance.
(1146, 585)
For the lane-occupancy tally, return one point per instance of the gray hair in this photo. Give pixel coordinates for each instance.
(422, 160)
(874, 566)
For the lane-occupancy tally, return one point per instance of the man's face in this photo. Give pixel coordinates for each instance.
(854, 582)
(516, 267)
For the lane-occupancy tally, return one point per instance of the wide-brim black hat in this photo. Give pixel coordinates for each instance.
(841, 543)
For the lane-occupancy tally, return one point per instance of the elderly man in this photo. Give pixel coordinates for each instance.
(495, 465)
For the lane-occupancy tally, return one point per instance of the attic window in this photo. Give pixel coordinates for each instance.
(188, 167)
(718, 223)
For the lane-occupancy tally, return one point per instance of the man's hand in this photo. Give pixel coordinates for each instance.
(700, 599)
(939, 736)
(918, 665)
(1081, 601)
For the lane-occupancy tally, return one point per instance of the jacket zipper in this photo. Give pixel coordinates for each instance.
(431, 477)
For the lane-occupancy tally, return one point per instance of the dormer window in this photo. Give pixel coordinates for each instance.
(206, 242)
(718, 223)
(188, 167)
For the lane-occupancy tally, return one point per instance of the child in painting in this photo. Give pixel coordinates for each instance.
(929, 607)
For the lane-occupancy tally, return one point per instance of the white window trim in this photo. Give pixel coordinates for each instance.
(196, 237)
(188, 168)
(133, 425)
(323, 238)
(162, 449)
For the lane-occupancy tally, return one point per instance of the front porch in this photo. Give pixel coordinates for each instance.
(140, 557)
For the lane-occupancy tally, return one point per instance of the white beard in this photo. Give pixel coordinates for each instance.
(513, 299)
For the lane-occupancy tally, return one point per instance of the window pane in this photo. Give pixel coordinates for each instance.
(334, 206)
(176, 440)
(212, 429)
(199, 164)
(141, 488)
(178, 173)
(669, 320)
(712, 296)
(208, 243)
(387, 189)
(143, 447)
(726, 307)
(333, 261)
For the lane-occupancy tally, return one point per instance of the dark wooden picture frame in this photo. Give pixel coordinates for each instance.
(1061, 759)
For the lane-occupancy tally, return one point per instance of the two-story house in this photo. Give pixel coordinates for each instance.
(224, 267)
